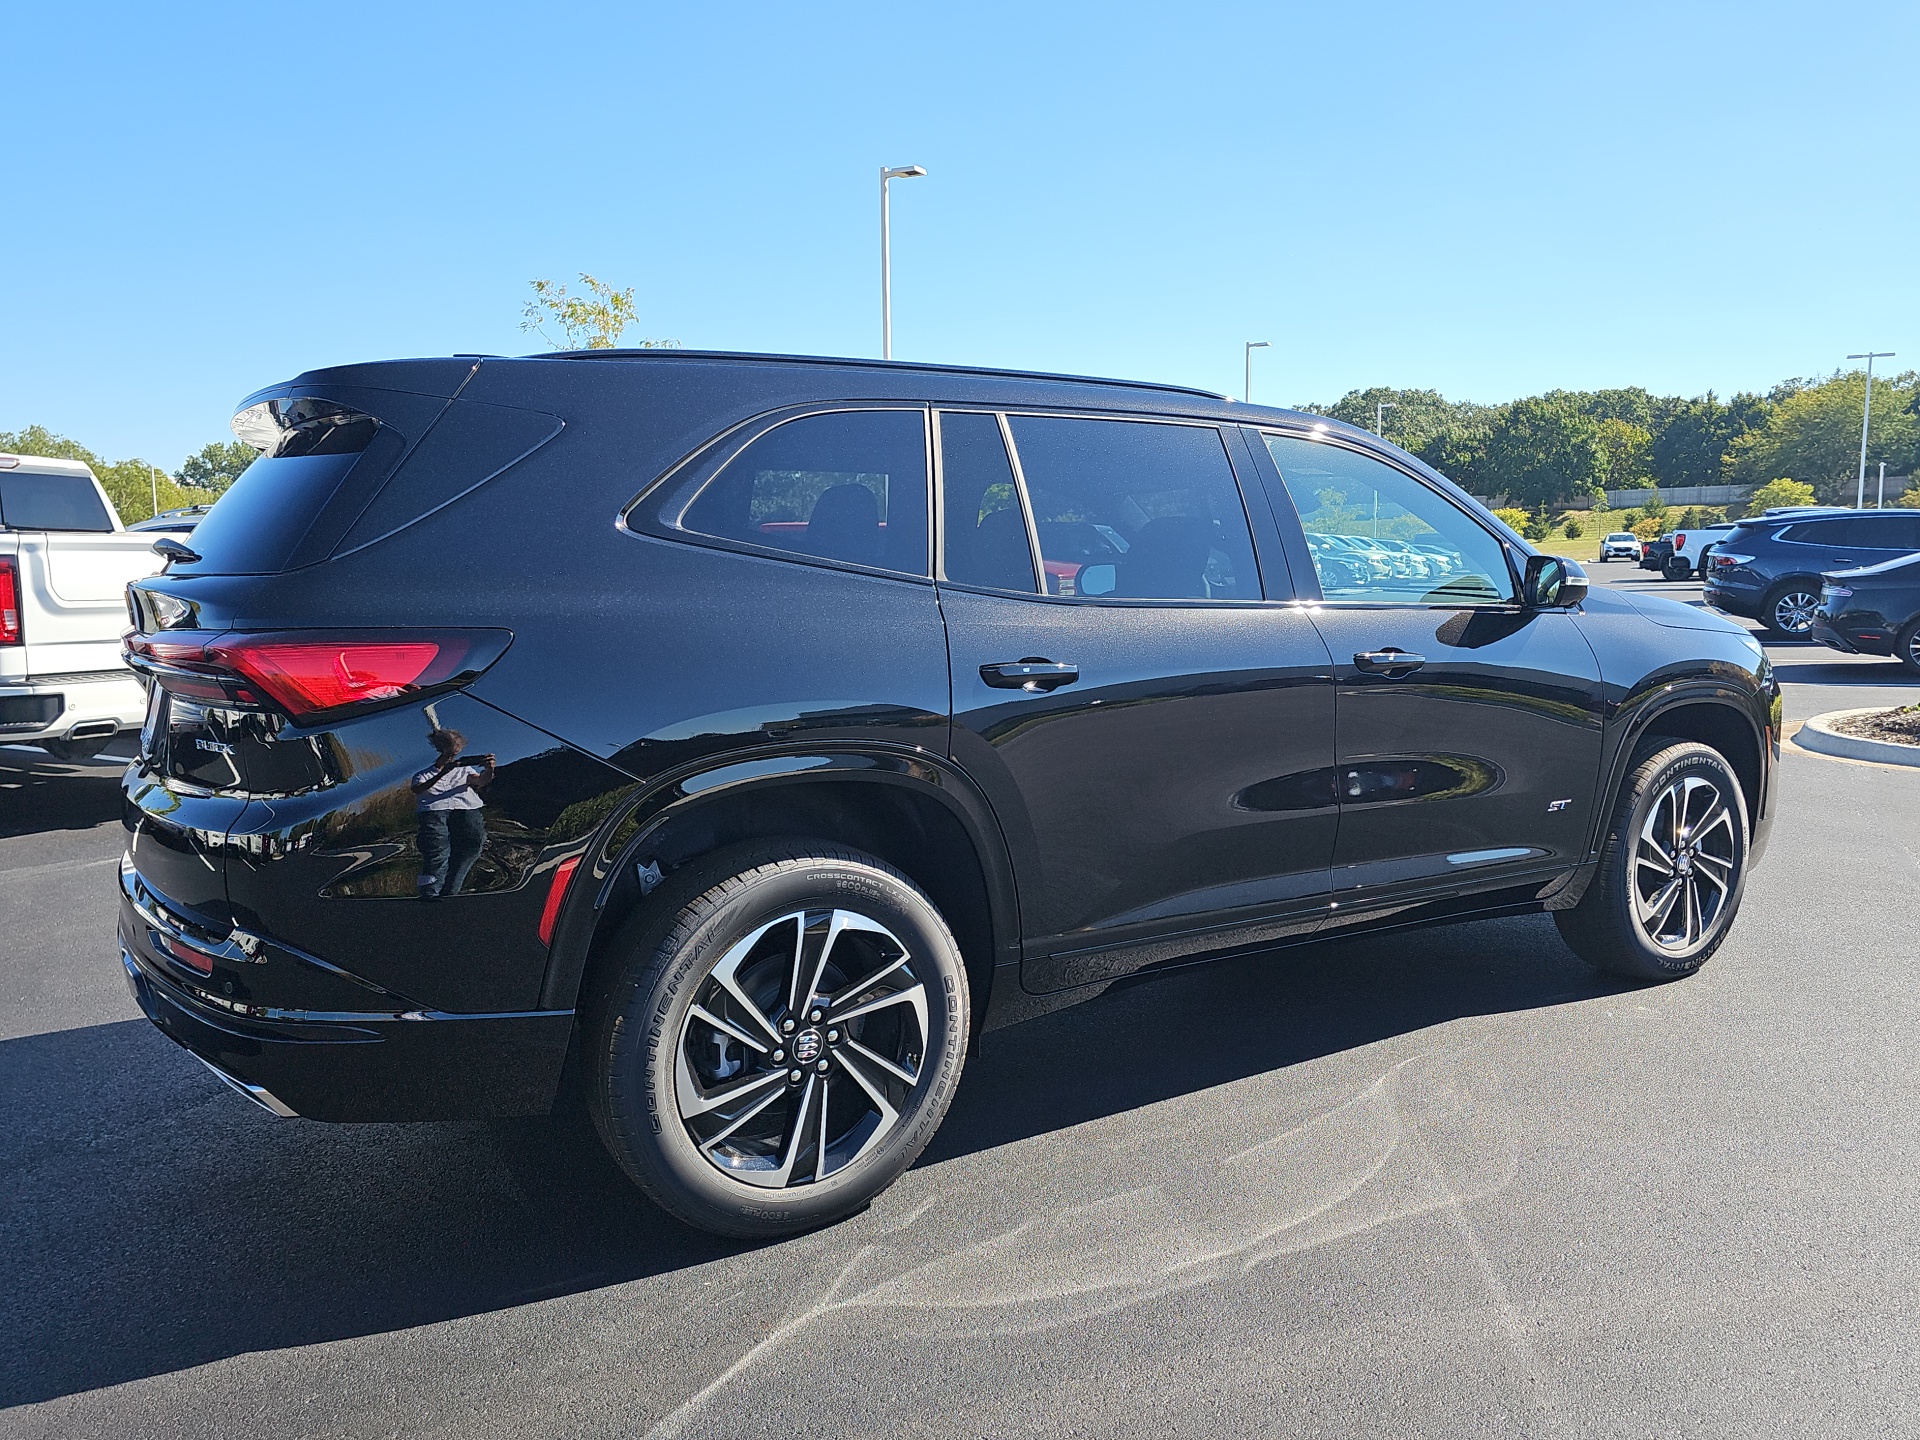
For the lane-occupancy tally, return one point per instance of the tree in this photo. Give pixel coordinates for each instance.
(217, 466)
(1543, 451)
(1627, 448)
(1812, 433)
(130, 484)
(1779, 492)
(1691, 449)
(1572, 528)
(1512, 516)
(594, 321)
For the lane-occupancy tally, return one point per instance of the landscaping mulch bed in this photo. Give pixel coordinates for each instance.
(1901, 726)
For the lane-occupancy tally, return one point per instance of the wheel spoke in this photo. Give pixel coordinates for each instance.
(1660, 906)
(1660, 860)
(820, 1151)
(914, 995)
(874, 1093)
(746, 1115)
(1714, 869)
(1690, 921)
(860, 987)
(693, 1104)
(796, 1137)
(726, 974)
(727, 1027)
(899, 1072)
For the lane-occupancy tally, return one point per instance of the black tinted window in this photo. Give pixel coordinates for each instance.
(1135, 509)
(985, 529)
(1858, 532)
(849, 486)
(51, 502)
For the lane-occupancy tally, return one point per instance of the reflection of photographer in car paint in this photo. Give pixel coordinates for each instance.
(452, 829)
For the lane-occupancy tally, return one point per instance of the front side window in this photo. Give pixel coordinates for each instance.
(1136, 509)
(848, 485)
(1378, 535)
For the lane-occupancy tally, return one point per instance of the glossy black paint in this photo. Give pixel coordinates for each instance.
(1215, 775)
(1878, 615)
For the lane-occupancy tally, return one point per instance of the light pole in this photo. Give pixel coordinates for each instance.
(1252, 345)
(1866, 414)
(898, 172)
(1380, 415)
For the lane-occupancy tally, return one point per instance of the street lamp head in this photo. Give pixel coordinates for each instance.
(1259, 344)
(902, 172)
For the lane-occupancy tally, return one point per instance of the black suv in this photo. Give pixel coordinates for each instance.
(1768, 569)
(725, 740)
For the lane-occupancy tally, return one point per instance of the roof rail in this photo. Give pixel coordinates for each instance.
(662, 354)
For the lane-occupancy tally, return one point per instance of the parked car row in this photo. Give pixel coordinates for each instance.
(1773, 569)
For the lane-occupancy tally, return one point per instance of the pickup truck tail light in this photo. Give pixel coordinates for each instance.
(11, 632)
(316, 676)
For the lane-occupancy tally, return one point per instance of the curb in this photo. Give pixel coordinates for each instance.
(1819, 736)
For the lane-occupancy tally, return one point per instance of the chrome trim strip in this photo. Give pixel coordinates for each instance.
(1482, 857)
(258, 1094)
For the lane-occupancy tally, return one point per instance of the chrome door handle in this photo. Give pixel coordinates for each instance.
(1032, 674)
(1390, 662)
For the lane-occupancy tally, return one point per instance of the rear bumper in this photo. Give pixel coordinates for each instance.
(70, 707)
(415, 1065)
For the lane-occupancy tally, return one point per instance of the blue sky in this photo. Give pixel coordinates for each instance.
(1489, 200)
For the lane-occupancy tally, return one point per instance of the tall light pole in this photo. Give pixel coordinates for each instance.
(1866, 414)
(1380, 415)
(898, 172)
(1252, 345)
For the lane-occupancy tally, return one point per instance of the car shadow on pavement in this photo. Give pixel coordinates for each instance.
(39, 793)
(157, 1222)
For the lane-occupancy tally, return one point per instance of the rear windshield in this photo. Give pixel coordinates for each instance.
(51, 502)
(261, 518)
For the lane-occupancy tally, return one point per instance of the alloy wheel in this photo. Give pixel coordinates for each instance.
(1793, 611)
(802, 1048)
(1684, 865)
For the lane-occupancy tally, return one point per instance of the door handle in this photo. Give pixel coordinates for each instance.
(1389, 662)
(1032, 674)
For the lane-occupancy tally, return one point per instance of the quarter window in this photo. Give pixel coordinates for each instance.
(1377, 534)
(848, 485)
(1136, 509)
(984, 530)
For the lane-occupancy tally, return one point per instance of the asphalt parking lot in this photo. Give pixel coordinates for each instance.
(1448, 1183)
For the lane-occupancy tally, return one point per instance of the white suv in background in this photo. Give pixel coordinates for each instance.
(1620, 546)
(65, 561)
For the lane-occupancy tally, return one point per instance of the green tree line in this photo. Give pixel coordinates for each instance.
(1545, 450)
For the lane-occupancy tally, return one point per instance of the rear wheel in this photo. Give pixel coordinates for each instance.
(1678, 569)
(1671, 871)
(1788, 610)
(774, 1049)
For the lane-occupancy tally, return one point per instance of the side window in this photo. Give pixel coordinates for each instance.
(849, 485)
(1377, 534)
(1136, 509)
(983, 530)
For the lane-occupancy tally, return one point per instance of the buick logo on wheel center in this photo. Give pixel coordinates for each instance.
(806, 1046)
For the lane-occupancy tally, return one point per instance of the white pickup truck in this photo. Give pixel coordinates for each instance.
(65, 562)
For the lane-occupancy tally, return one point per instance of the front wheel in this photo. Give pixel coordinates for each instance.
(1671, 870)
(779, 1041)
(1907, 647)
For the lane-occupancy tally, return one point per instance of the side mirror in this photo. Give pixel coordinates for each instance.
(1553, 582)
(1096, 580)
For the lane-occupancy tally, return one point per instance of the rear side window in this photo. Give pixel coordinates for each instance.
(51, 502)
(1136, 509)
(1862, 532)
(849, 486)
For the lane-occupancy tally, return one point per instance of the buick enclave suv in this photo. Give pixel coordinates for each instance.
(726, 740)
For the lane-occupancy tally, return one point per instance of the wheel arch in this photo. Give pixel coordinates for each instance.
(1714, 715)
(916, 812)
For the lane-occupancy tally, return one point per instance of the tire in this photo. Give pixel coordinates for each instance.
(1789, 606)
(1907, 647)
(1629, 922)
(1677, 569)
(71, 750)
(679, 1040)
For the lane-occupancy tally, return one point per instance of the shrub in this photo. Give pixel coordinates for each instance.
(1651, 527)
(1779, 492)
(1513, 517)
(1573, 529)
(1537, 526)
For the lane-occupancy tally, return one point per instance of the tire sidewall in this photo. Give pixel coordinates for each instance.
(1652, 781)
(650, 1139)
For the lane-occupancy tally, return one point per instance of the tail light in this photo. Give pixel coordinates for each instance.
(1727, 560)
(1680, 541)
(10, 628)
(556, 895)
(317, 675)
